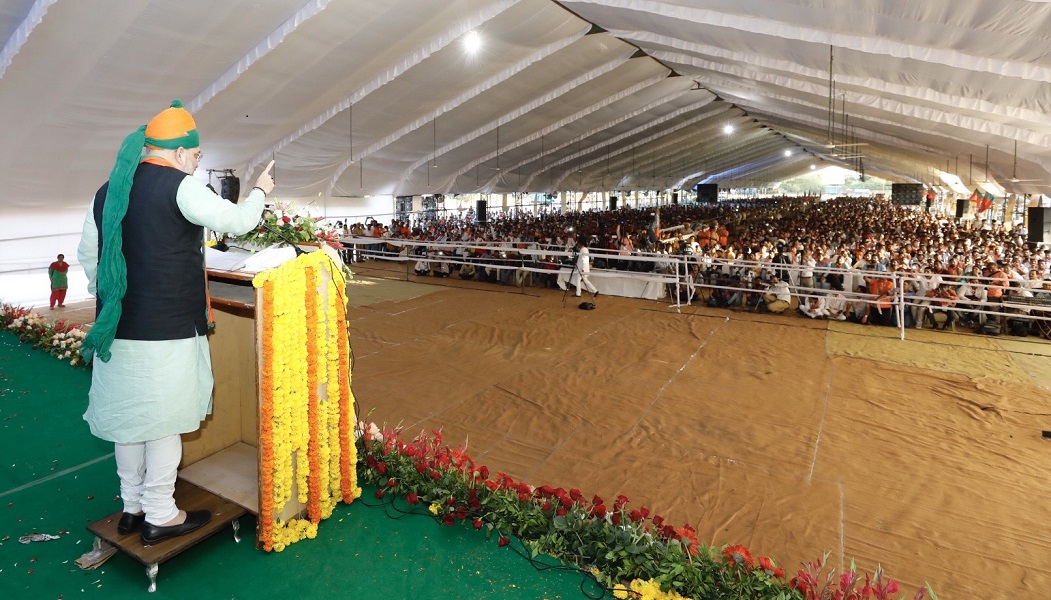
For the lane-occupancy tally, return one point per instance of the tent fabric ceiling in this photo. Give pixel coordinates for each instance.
(355, 97)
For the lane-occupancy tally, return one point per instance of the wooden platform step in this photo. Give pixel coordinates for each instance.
(187, 497)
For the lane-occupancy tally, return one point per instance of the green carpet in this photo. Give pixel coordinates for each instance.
(57, 478)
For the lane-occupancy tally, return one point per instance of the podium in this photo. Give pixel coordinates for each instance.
(279, 442)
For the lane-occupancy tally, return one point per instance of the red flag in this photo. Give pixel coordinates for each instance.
(984, 204)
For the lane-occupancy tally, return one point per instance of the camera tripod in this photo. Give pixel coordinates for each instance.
(569, 280)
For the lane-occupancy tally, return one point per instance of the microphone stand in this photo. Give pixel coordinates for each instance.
(299, 251)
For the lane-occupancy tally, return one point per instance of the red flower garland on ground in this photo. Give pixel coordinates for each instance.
(615, 543)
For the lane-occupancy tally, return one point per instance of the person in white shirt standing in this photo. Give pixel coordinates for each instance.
(583, 269)
(806, 274)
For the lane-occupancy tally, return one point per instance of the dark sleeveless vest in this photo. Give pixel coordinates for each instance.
(166, 297)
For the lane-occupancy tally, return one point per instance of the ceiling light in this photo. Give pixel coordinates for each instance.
(788, 153)
(728, 129)
(812, 167)
(472, 41)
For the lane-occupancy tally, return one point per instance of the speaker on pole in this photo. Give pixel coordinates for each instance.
(482, 211)
(1038, 225)
(230, 188)
(613, 203)
(961, 207)
(707, 192)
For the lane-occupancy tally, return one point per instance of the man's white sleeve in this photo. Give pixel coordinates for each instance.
(88, 250)
(201, 206)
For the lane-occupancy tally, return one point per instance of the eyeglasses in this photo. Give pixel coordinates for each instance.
(198, 155)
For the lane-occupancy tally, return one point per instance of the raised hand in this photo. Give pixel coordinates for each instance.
(266, 180)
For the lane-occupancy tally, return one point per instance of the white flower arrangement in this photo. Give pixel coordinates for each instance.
(59, 339)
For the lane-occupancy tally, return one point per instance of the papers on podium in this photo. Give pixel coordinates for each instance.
(262, 260)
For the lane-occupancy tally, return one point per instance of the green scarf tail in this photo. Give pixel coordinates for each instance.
(112, 274)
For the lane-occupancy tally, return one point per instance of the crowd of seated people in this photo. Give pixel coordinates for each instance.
(821, 250)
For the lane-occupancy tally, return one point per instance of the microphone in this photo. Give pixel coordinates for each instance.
(220, 243)
(299, 251)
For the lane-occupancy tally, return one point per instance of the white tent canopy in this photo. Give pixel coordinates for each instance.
(380, 97)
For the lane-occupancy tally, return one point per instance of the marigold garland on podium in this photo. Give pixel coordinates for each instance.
(307, 454)
(279, 442)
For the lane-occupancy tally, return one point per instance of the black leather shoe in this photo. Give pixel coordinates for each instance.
(129, 522)
(155, 534)
(595, 295)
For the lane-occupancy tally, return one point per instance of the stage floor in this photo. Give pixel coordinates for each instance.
(788, 435)
(791, 436)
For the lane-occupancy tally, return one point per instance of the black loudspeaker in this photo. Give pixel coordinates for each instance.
(707, 192)
(675, 197)
(613, 203)
(482, 211)
(961, 207)
(230, 188)
(906, 194)
(1039, 225)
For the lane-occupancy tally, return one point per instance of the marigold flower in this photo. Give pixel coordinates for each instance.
(503, 541)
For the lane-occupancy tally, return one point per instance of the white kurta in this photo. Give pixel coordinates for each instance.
(152, 389)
